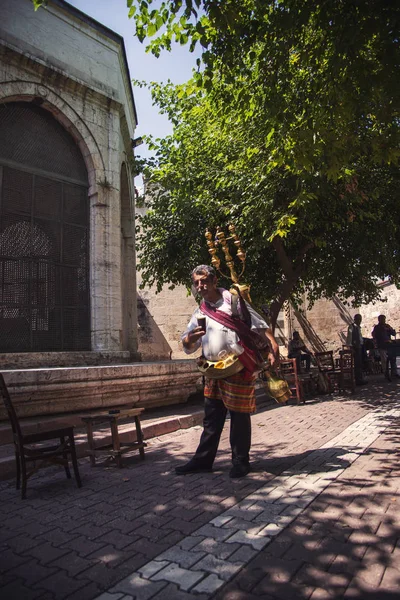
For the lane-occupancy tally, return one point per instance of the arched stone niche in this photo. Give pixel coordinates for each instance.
(103, 210)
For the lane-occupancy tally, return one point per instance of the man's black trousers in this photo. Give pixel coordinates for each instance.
(213, 424)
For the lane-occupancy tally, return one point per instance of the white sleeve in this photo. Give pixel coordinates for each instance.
(257, 322)
(191, 325)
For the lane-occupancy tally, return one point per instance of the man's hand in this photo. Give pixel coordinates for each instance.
(192, 337)
(273, 359)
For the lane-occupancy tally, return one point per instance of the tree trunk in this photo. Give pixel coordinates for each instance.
(292, 274)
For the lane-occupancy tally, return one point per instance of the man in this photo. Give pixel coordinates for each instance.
(298, 350)
(381, 334)
(235, 393)
(356, 341)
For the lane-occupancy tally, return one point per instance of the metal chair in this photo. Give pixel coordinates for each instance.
(27, 451)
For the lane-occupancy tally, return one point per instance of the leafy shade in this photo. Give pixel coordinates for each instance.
(303, 230)
(291, 130)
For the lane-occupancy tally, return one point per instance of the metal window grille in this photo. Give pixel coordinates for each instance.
(44, 255)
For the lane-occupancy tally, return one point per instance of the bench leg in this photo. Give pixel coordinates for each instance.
(75, 460)
(139, 436)
(116, 443)
(89, 432)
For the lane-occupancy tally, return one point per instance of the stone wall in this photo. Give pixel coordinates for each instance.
(325, 325)
(38, 392)
(162, 318)
(75, 69)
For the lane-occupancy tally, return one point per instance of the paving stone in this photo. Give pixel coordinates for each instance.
(138, 587)
(105, 577)
(173, 573)
(153, 567)
(190, 542)
(56, 537)
(20, 543)
(243, 554)
(146, 504)
(391, 579)
(218, 549)
(92, 532)
(45, 552)
(83, 546)
(172, 592)
(184, 558)
(242, 537)
(182, 526)
(72, 563)
(109, 596)
(16, 590)
(60, 585)
(109, 555)
(32, 572)
(209, 585)
(117, 539)
(237, 524)
(215, 533)
(88, 592)
(10, 560)
(223, 568)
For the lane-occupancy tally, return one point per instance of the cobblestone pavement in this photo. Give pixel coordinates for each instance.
(317, 518)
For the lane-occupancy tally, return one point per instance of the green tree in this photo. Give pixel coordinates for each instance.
(291, 130)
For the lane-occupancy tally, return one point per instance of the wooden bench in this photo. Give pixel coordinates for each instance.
(116, 448)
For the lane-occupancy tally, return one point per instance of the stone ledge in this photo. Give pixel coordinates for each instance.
(45, 392)
(38, 360)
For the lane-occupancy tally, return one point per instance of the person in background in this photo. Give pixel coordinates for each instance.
(235, 393)
(298, 350)
(382, 333)
(356, 341)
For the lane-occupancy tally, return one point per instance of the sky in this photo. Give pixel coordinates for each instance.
(176, 65)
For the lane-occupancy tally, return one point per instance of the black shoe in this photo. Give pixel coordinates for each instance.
(387, 376)
(192, 467)
(239, 470)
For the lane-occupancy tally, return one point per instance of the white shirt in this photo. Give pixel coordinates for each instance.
(217, 336)
(354, 336)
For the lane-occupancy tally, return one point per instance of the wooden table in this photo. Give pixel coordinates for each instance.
(116, 448)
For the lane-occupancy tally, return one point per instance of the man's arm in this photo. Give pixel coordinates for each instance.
(273, 356)
(190, 339)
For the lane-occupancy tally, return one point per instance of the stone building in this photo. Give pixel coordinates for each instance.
(67, 121)
(68, 294)
(324, 326)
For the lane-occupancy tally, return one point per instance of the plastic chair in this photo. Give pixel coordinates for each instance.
(26, 450)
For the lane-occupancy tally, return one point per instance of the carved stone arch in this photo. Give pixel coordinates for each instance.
(65, 114)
